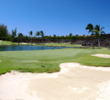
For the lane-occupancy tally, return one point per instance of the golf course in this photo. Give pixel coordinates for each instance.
(49, 60)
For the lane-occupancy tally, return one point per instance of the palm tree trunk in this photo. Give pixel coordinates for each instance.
(98, 42)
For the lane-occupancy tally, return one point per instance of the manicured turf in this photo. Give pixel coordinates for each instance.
(32, 61)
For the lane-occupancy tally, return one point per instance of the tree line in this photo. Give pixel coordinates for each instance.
(14, 36)
(96, 32)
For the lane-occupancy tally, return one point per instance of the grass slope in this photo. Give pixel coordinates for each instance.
(31, 61)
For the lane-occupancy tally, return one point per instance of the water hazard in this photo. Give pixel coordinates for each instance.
(20, 48)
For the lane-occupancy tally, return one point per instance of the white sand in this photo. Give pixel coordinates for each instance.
(102, 55)
(73, 82)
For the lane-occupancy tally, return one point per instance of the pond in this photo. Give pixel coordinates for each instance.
(20, 48)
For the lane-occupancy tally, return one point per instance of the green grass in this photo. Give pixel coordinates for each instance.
(42, 44)
(7, 43)
(61, 44)
(31, 61)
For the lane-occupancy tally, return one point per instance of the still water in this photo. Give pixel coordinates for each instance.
(20, 48)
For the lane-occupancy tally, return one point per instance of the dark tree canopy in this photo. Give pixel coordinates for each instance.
(3, 31)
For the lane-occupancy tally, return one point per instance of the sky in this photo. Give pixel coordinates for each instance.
(60, 17)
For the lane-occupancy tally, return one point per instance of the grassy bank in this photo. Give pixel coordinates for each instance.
(41, 44)
(34, 61)
(61, 44)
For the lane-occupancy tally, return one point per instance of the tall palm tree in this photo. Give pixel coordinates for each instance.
(91, 29)
(30, 33)
(42, 35)
(98, 32)
(38, 34)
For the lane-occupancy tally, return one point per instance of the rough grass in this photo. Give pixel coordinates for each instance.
(32, 61)
(7, 43)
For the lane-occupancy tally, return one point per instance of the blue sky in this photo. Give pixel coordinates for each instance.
(59, 17)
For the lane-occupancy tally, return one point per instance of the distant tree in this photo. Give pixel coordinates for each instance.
(42, 34)
(14, 32)
(70, 35)
(20, 36)
(30, 34)
(13, 35)
(54, 36)
(38, 33)
(3, 31)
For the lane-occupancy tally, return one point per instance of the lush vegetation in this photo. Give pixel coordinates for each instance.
(49, 60)
(96, 31)
(37, 37)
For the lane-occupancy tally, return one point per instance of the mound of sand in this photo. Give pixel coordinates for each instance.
(73, 82)
(102, 55)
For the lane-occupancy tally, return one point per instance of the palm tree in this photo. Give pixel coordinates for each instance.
(31, 33)
(38, 33)
(42, 35)
(98, 32)
(91, 29)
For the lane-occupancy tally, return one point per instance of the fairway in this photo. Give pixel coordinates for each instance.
(49, 60)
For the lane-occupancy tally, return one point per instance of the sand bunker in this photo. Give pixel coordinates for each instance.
(73, 82)
(102, 55)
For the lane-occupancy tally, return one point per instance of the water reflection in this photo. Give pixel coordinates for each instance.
(19, 48)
